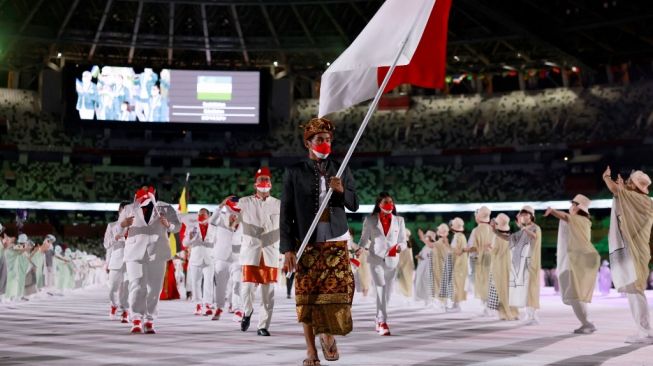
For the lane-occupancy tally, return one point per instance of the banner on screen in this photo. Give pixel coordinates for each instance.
(111, 93)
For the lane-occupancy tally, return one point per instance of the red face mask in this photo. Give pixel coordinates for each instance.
(143, 196)
(322, 150)
(202, 217)
(387, 207)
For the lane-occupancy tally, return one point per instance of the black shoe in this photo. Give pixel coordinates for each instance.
(244, 323)
(287, 296)
(263, 332)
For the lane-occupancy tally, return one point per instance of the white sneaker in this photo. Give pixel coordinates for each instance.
(454, 309)
(638, 338)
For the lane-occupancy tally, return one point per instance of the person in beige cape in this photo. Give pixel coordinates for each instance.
(460, 268)
(480, 239)
(441, 249)
(628, 239)
(578, 260)
(362, 276)
(406, 269)
(500, 271)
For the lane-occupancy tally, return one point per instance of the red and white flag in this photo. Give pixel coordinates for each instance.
(357, 74)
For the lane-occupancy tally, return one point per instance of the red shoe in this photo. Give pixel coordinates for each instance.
(149, 327)
(384, 330)
(238, 316)
(124, 317)
(198, 309)
(112, 312)
(208, 311)
(136, 326)
(217, 314)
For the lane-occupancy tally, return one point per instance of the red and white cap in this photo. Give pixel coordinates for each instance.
(263, 171)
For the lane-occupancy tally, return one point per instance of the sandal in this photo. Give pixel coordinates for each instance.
(309, 362)
(331, 352)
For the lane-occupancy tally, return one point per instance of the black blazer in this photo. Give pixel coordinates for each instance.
(300, 202)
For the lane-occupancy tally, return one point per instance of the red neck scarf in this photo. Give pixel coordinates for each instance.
(385, 219)
(203, 228)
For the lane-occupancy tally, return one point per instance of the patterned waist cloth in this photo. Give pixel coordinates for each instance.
(324, 288)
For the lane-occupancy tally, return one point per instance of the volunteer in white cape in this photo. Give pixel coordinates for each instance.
(354, 76)
(200, 238)
(227, 269)
(628, 239)
(424, 283)
(578, 260)
(118, 283)
(259, 253)
(384, 235)
(146, 223)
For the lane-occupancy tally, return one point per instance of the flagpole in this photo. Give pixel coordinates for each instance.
(354, 143)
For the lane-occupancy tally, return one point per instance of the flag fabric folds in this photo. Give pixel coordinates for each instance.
(357, 73)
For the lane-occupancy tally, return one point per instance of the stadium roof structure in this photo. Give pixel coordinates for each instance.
(307, 34)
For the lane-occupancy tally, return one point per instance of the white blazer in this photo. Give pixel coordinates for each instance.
(227, 239)
(115, 248)
(260, 225)
(378, 243)
(201, 249)
(148, 239)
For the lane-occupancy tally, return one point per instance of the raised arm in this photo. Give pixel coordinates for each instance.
(607, 178)
(557, 214)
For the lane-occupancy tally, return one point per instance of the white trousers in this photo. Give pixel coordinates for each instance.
(119, 288)
(234, 285)
(383, 279)
(639, 309)
(145, 283)
(221, 278)
(247, 290)
(202, 283)
(580, 310)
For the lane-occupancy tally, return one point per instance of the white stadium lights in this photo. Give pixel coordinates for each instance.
(406, 208)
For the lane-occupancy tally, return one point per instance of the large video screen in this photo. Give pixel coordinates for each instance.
(110, 93)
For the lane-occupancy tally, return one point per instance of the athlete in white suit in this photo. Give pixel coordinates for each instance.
(200, 237)
(118, 284)
(228, 235)
(147, 249)
(384, 235)
(259, 254)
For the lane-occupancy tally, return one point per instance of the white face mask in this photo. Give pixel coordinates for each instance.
(264, 187)
(320, 155)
